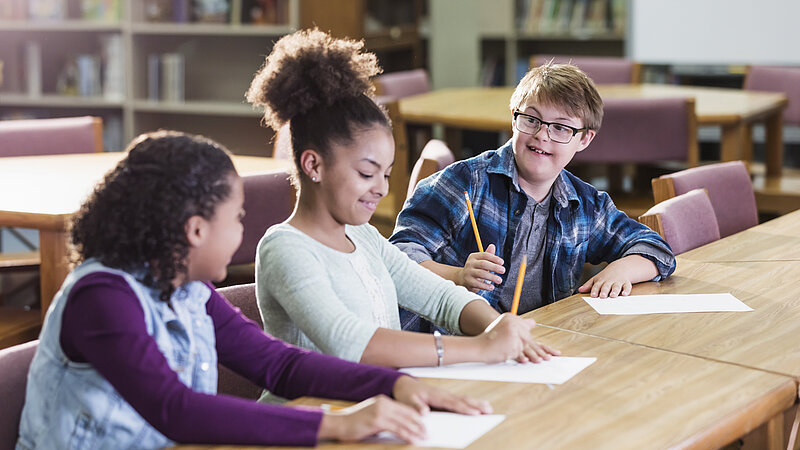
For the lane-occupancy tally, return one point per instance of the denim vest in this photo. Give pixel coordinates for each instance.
(69, 405)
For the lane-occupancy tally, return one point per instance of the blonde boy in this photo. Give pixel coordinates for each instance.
(525, 202)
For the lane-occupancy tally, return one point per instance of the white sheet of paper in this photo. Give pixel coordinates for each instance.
(557, 370)
(667, 303)
(447, 430)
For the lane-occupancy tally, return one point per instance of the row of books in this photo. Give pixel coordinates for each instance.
(85, 74)
(217, 11)
(166, 79)
(577, 17)
(49, 10)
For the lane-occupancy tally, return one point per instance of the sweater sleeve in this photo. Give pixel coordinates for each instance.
(103, 325)
(419, 290)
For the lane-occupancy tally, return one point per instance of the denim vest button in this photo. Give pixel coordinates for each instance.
(204, 367)
(517, 212)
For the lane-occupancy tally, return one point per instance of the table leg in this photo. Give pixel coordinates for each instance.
(54, 266)
(775, 437)
(452, 136)
(773, 127)
(731, 145)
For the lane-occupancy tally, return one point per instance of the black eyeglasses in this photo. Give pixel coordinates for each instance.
(558, 132)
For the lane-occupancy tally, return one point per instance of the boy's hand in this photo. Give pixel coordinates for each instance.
(477, 273)
(618, 277)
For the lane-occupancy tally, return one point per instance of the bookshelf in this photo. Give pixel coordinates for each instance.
(514, 30)
(217, 54)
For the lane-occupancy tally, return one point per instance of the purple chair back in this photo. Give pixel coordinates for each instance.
(686, 221)
(602, 70)
(435, 156)
(51, 136)
(242, 296)
(778, 79)
(268, 199)
(14, 364)
(730, 190)
(403, 84)
(638, 130)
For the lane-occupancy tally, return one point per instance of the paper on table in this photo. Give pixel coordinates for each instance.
(447, 430)
(667, 303)
(557, 370)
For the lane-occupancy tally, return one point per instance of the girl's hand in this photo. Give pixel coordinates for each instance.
(509, 337)
(618, 277)
(480, 268)
(371, 417)
(422, 397)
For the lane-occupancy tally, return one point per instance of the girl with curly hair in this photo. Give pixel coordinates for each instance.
(326, 280)
(128, 353)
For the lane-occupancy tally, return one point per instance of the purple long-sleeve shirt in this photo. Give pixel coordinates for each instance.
(103, 324)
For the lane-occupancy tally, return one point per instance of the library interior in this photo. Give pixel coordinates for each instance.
(699, 142)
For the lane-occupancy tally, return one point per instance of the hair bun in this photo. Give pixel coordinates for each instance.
(307, 69)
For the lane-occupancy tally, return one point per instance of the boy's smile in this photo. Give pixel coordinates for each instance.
(539, 159)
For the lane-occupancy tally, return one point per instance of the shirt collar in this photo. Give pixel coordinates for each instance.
(563, 191)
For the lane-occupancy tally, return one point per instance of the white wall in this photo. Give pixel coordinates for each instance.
(714, 31)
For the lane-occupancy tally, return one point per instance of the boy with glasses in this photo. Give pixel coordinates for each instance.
(525, 203)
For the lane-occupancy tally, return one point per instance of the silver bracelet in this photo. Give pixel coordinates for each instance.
(437, 338)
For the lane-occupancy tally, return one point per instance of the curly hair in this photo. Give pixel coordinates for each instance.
(321, 86)
(134, 219)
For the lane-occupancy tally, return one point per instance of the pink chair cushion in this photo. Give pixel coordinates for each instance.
(242, 296)
(600, 69)
(434, 150)
(404, 83)
(688, 220)
(47, 136)
(14, 364)
(267, 201)
(640, 130)
(730, 190)
(778, 79)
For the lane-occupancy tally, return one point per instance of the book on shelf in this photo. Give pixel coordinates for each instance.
(578, 17)
(113, 66)
(101, 10)
(267, 12)
(210, 11)
(154, 77)
(47, 9)
(13, 9)
(32, 57)
(172, 77)
(89, 84)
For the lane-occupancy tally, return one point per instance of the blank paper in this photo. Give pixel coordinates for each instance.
(557, 370)
(448, 430)
(667, 303)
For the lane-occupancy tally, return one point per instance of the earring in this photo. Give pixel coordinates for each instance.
(314, 179)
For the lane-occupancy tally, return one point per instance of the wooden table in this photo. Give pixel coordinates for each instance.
(735, 111)
(775, 240)
(764, 339)
(632, 397)
(43, 192)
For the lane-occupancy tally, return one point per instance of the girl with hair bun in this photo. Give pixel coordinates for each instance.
(128, 353)
(327, 280)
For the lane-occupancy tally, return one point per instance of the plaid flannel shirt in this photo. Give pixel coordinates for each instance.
(583, 226)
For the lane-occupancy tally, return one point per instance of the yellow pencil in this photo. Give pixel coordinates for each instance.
(474, 224)
(518, 288)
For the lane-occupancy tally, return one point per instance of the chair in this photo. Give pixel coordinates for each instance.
(729, 188)
(268, 199)
(396, 85)
(14, 365)
(686, 221)
(435, 156)
(242, 296)
(390, 206)
(778, 79)
(602, 70)
(27, 138)
(403, 83)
